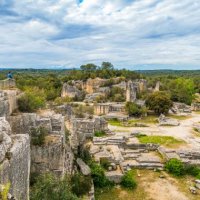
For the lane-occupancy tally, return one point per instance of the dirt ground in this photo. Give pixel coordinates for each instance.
(151, 187)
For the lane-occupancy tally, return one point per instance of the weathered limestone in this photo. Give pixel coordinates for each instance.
(180, 108)
(196, 106)
(55, 155)
(8, 101)
(89, 98)
(70, 91)
(166, 121)
(85, 169)
(92, 84)
(190, 157)
(15, 161)
(81, 129)
(157, 87)
(7, 84)
(105, 108)
(131, 91)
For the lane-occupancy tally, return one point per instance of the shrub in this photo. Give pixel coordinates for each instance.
(30, 102)
(192, 170)
(49, 187)
(104, 163)
(128, 180)
(175, 167)
(5, 191)
(99, 177)
(38, 136)
(134, 110)
(84, 154)
(81, 185)
(99, 133)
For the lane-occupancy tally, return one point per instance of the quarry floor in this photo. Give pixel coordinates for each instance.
(151, 187)
(184, 131)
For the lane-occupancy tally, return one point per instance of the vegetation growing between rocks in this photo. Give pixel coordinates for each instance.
(128, 180)
(178, 168)
(99, 133)
(81, 184)
(38, 136)
(49, 187)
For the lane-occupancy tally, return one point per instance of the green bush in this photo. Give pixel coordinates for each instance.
(38, 136)
(175, 167)
(81, 185)
(192, 170)
(128, 180)
(104, 162)
(31, 101)
(99, 177)
(99, 133)
(135, 110)
(84, 154)
(49, 187)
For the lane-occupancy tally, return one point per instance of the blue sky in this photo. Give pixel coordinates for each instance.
(135, 34)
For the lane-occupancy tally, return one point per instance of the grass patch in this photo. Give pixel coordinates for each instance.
(161, 140)
(180, 117)
(151, 119)
(114, 122)
(99, 133)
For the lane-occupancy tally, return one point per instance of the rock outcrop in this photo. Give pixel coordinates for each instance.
(70, 91)
(15, 161)
(54, 155)
(8, 101)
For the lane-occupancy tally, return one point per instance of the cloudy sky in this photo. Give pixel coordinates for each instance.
(135, 34)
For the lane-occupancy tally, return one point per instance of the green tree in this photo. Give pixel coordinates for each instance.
(88, 67)
(134, 110)
(159, 102)
(182, 90)
(107, 66)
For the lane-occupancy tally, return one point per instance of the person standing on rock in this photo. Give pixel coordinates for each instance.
(9, 75)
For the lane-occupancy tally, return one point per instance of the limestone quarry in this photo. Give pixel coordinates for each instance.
(120, 145)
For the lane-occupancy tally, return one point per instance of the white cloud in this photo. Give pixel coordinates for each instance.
(125, 32)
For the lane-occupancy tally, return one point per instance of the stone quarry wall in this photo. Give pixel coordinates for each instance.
(81, 129)
(70, 91)
(55, 155)
(8, 101)
(15, 161)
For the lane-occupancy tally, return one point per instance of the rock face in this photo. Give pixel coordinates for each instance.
(196, 106)
(8, 102)
(166, 121)
(131, 92)
(70, 91)
(15, 161)
(54, 155)
(81, 129)
(85, 169)
(180, 108)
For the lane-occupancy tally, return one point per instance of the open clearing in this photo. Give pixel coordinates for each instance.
(152, 187)
(184, 131)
